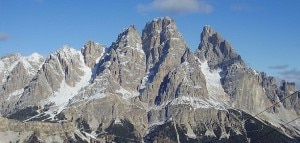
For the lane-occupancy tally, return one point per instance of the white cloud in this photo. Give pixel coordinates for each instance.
(3, 36)
(177, 6)
(293, 74)
(279, 67)
(240, 7)
(245, 7)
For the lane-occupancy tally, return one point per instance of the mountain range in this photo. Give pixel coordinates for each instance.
(147, 87)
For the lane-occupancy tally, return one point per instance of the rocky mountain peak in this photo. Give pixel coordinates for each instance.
(92, 53)
(35, 57)
(14, 56)
(160, 36)
(163, 28)
(66, 51)
(123, 65)
(207, 31)
(215, 50)
(288, 86)
(164, 47)
(129, 38)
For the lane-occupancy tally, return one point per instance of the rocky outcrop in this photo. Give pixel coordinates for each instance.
(92, 52)
(186, 80)
(217, 51)
(15, 131)
(127, 59)
(6, 64)
(287, 90)
(244, 90)
(245, 87)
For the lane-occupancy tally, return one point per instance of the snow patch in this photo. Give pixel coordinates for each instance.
(62, 97)
(126, 94)
(225, 135)
(100, 57)
(210, 133)
(145, 80)
(254, 71)
(153, 124)
(118, 121)
(91, 135)
(213, 83)
(97, 96)
(35, 57)
(198, 103)
(15, 93)
(2, 65)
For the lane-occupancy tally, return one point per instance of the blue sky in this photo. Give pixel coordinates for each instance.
(264, 32)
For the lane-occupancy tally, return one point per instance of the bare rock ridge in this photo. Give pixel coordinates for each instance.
(144, 88)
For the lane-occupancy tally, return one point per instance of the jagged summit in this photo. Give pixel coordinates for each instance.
(92, 53)
(35, 57)
(66, 51)
(207, 30)
(163, 26)
(218, 52)
(162, 18)
(130, 37)
(144, 88)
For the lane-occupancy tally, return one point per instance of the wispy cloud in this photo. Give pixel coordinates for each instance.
(177, 6)
(3, 36)
(292, 74)
(245, 7)
(240, 7)
(279, 67)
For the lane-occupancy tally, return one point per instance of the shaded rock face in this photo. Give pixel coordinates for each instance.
(217, 51)
(288, 91)
(185, 80)
(144, 88)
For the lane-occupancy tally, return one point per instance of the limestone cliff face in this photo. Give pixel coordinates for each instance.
(92, 53)
(288, 91)
(17, 73)
(16, 131)
(186, 80)
(128, 59)
(246, 89)
(164, 46)
(61, 66)
(144, 88)
(109, 100)
(217, 51)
